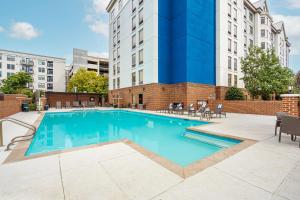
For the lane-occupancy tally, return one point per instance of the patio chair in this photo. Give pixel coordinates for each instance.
(58, 105)
(279, 116)
(219, 111)
(76, 104)
(84, 104)
(170, 108)
(291, 126)
(191, 110)
(68, 104)
(202, 109)
(92, 104)
(179, 109)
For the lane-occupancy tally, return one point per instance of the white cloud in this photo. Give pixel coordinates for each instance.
(97, 54)
(1, 29)
(293, 4)
(100, 6)
(292, 30)
(23, 30)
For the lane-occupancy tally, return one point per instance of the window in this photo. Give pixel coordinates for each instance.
(235, 31)
(0, 56)
(235, 47)
(118, 83)
(235, 14)
(229, 10)
(0, 65)
(118, 23)
(263, 33)
(133, 6)
(245, 41)
(133, 41)
(229, 27)
(41, 85)
(114, 83)
(114, 54)
(229, 45)
(229, 80)
(263, 20)
(49, 71)
(49, 78)
(115, 27)
(141, 36)
(118, 68)
(11, 58)
(251, 17)
(118, 37)
(263, 45)
(50, 86)
(115, 41)
(50, 64)
(141, 56)
(42, 62)
(235, 64)
(9, 74)
(251, 43)
(141, 17)
(141, 77)
(245, 27)
(112, 14)
(245, 12)
(235, 81)
(0, 73)
(41, 70)
(133, 23)
(133, 78)
(251, 30)
(140, 2)
(41, 78)
(229, 62)
(118, 52)
(114, 69)
(11, 66)
(133, 60)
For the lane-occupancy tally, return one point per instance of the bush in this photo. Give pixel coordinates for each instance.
(234, 93)
(32, 107)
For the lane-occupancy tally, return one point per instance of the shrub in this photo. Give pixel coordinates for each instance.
(234, 93)
(32, 107)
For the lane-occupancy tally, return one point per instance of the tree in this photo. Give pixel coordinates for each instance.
(234, 93)
(17, 83)
(264, 75)
(88, 81)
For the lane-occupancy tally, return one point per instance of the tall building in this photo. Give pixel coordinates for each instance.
(163, 51)
(48, 72)
(81, 59)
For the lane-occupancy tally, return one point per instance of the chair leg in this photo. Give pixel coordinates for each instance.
(279, 138)
(275, 129)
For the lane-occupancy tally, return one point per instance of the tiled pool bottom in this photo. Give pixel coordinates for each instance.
(164, 136)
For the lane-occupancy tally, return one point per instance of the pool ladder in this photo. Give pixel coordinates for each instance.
(18, 138)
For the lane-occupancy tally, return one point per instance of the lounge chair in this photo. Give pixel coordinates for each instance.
(202, 109)
(58, 105)
(170, 108)
(92, 104)
(68, 104)
(191, 110)
(84, 104)
(279, 116)
(219, 111)
(179, 109)
(291, 126)
(76, 104)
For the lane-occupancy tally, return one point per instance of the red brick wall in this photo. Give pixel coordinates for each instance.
(249, 107)
(11, 104)
(53, 97)
(291, 104)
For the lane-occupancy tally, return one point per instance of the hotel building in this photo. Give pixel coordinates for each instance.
(81, 59)
(48, 73)
(163, 51)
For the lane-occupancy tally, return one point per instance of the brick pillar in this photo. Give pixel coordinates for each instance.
(290, 104)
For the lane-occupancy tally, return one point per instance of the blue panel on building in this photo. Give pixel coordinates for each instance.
(187, 41)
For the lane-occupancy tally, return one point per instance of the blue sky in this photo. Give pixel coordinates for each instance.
(54, 27)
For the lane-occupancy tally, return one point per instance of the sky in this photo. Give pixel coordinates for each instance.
(55, 27)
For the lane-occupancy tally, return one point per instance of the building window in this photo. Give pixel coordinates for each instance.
(118, 68)
(235, 64)
(245, 27)
(235, 81)
(50, 86)
(251, 30)
(49, 78)
(50, 64)
(141, 56)
(133, 78)
(114, 83)
(229, 45)
(141, 36)
(235, 31)
(235, 47)
(141, 77)
(133, 23)
(133, 6)
(41, 70)
(251, 17)
(41, 85)
(263, 45)
(229, 62)
(11, 66)
(0, 56)
(50, 71)
(0, 73)
(115, 55)
(118, 23)
(133, 41)
(263, 20)
(42, 62)
(114, 69)
(118, 52)
(229, 27)
(133, 60)
(0, 65)
(141, 2)
(245, 41)
(115, 27)
(9, 74)
(11, 58)
(41, 78)
(141, 17)
(251, 43)
(263, 33)
(118, 83)
(118, 37)
(229, 10)
(115, 41)
(235, 14)
(229, 80)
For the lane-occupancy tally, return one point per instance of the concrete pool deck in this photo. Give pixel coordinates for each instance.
(265, 170)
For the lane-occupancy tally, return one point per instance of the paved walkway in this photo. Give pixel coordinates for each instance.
(266, 170)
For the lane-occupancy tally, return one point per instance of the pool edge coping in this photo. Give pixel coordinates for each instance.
(18, 153)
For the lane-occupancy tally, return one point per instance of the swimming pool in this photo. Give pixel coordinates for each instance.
(164, 136)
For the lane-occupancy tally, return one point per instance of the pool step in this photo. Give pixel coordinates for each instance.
(208, 140)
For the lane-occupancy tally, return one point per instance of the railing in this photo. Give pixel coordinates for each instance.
(18, 138)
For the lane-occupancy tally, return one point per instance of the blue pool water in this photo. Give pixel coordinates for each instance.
(164, 136)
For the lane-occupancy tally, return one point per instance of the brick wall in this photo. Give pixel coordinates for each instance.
(249, 107)
(11, 104)
(291, 104)
(63, 97)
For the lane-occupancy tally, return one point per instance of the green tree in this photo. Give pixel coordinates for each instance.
(88, 81)
(264, 75)
(17, 83)
(234, 93)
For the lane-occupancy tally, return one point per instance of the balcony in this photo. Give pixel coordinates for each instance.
(27, 62)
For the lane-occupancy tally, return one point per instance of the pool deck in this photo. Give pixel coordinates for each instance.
(265, 170)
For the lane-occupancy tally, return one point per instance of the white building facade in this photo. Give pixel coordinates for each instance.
(208, 41)
(48, 73)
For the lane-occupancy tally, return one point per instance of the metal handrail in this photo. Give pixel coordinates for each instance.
(14, 140)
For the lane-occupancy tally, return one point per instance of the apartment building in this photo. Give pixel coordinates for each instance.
(184, 50)
(48, 72)
(82, 59)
